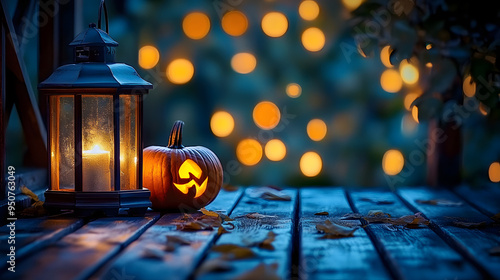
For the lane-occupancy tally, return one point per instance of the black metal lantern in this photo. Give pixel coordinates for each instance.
(95, 129)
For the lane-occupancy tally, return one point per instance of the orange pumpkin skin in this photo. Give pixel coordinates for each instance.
(161, 174)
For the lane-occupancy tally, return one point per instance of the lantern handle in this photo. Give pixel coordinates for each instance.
(103, 5)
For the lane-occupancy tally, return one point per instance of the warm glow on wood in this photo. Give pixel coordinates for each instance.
(148, 57)
(234, 23)
(311, 164)
(313, 39)
(274, 24)
(275, 150)
(494, 172)
(243, 63)
(222, 124)
(393, 162)
(180, 71)
(316, 129)
(266, 115)
(249, 152)
(196, 25)
(390, 80)
(293, 90)
(308, 10)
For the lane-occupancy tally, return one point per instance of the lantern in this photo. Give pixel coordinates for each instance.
(94, 129)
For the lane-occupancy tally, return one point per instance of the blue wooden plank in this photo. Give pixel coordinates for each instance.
(486, 200)
(344, 258)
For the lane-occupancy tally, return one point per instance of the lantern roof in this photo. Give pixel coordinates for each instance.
(95, 75)
(93, 36)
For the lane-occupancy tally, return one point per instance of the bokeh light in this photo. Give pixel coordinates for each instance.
(483, 109)
(180, 71)
(222, 123)
(308, 10)
(234, 23)
(316, 129)
(494, 172)
(408, 125)
(196, 25)
(293, 90)
(266, 115)
(311, 164)
(469, 86)
(274, 24)
(393, 162)
(385, 55)
(414, 113)
(409, 73)
(313, 39)
(148, 57)
(352, 5)
(409, 99)
(275, 150)
(249, 152)
(243, 63)
(390, 80)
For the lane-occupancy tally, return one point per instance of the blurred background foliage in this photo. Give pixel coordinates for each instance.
(343, 89)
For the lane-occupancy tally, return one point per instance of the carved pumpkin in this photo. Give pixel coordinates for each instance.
(181, 178)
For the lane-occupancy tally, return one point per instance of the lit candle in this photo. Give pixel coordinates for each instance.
(96, 170)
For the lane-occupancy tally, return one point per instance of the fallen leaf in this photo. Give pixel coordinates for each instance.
(209, 213)
(333, 231)
(496, 217)
(222, 230)
(377, 216)
(214, 265)
(28, 192)
(151, 252)
(185, 218)
(495, 251)
(321, 214)
(469, 225)
(267, 242)
(174, 241)
(233, 251)
(378, 213)
(262, 271)
(256, 215)
(377, 201)
(352, 216)
(230, 188)
(411, 221)
(440, 202)
(194, 226)
(269, 193)
(35, 210)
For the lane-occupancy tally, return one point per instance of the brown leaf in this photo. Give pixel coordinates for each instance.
(496, 217)
(352, 216)
(233, 251)
(469, 225)
(377, 201)
(230, 188)
(194, 226)
(151, 252)
(35, 210)
(440, 202)
(332, 230)
(269, 193)
(262, 271)
(256, 215)
(267, 242)
(174, 241)
(495, 251)
(209, 213)
(411, 221)
(222, 230)
(214, 265)
(321, 213)
(377, 216)
(28, 192)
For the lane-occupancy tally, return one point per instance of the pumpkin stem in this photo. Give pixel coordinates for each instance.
(175, 139)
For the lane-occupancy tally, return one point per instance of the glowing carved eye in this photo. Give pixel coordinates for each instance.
(187, 168)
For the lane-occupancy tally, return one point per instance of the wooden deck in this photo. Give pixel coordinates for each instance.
(281, 241)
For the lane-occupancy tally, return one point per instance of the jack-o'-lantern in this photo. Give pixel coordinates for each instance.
(181, 178)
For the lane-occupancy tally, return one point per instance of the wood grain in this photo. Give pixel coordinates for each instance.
(486, 200)
(79, 254)
(344, 258)
(178, 264)
(473, 244)
(248, 231)
(413, 253)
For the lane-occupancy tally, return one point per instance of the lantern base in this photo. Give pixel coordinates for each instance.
(90, 203)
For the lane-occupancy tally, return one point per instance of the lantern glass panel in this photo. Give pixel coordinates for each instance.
(128, 142)
(97, 143)
(62, 147)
